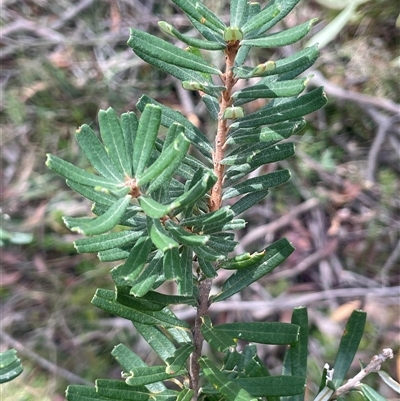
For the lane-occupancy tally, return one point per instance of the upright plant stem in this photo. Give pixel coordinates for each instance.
(214, 203)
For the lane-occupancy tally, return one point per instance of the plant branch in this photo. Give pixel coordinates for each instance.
(373, 366)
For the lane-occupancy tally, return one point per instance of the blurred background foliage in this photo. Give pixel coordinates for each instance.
(64, 60)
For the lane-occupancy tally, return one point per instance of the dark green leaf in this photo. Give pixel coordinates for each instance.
(207, 253)
(219, 217)
(242, 261)
(160, 236)
(218, 339)
(185, 237)
(176, 362)
(282, 38)
(274, 89)
(258, 183)
(129, 125)
(239, 12)
(185, 395)
(288, 110)
(147, 132)
(101, 224)
(169, 116)
(105, 299)
(176, 151)
(207, 268)
(96, 153)
(172, 264)
(277, 9)
(275, 255)
(149, 374)
(185, 285)
(348, 346)
(212, 105)
(146, 279)
(118, 390)
(113, 139)
(99, 197)
(76, 174)
(168, 53)
(248, 201)
(126, 273)
(228, 388)
(209, 19)
(10, 365)
(271, 386)
(262, 332)
(271, 135)
(107, 241)
(190, 41)
(83, 393)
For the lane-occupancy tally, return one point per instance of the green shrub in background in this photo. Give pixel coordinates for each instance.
(161, 209)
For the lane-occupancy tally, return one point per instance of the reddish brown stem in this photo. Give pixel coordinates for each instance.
(214, 204)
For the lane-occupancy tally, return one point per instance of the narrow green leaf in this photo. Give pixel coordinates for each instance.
(218, 339)
(226, 387)
(76, 174)
(259, 183)
(118, 390)
(271, 135)
(289, 110)
(160, 236)
(257, 155)
(152, 208)
(282, 38)
(129, 126)
(212, 105)
(206, 32)
(157, 340)
(221, 243)
(126, 273)
(113, 254)
(263, 17)
(105, 299)
(190, 41)
(107, 241)
(209, 19)
(96, 153)
(295, 362)
(103, 223)
(185, 237)
(176, 151)
(149, 374)
(389, 381)
(248, 201)
(185, 395)
(91, 194)
(253, 9)
(272, 386)
(172, 264)
(275, 255)
(176, 362)
(262, 332)
(274, 89)
(236, 224)
(164, 299)
(207, 268)
(239, 11)
(83, 393)
(147, 132)
(146, 279)
(242, 261)
(10, 365)
(126, 358)
(279, 9)
(348, 346)
(160, 49)
(185, 285)
(370, 394)
(199, 223)
(169, 116)
(113, 139)
(293, 65)
(207, 253)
